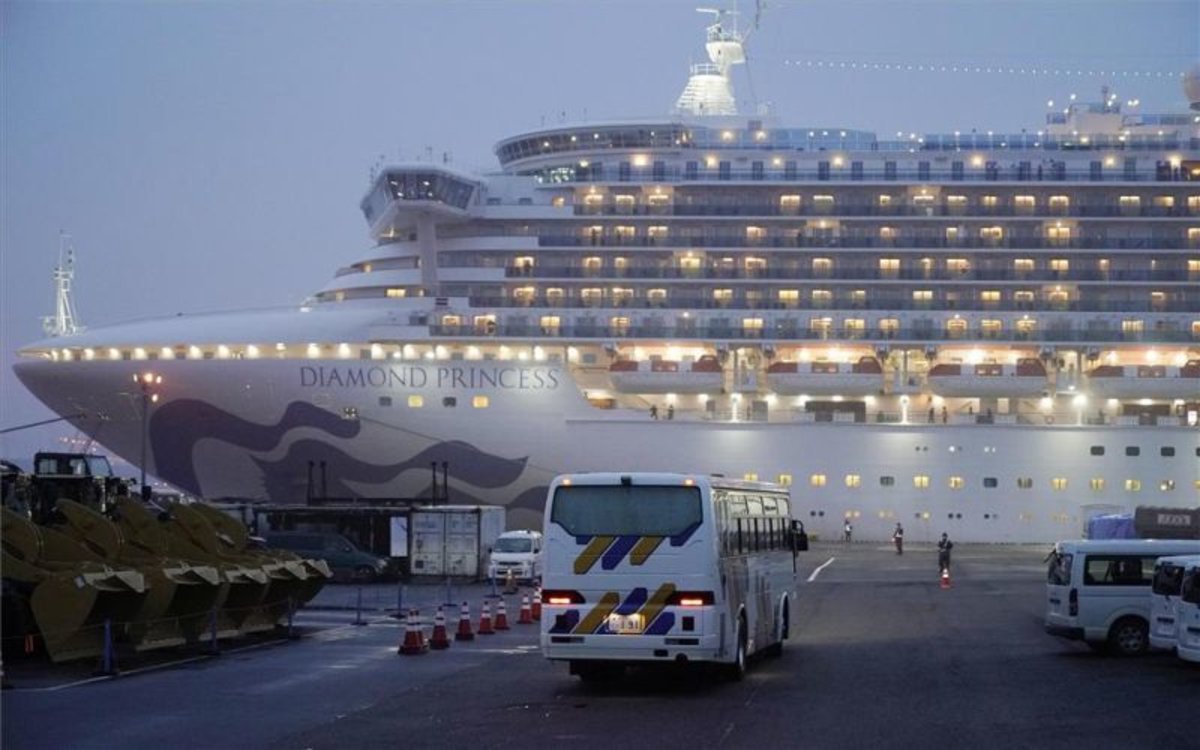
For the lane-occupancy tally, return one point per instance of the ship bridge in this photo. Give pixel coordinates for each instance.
(401, 195)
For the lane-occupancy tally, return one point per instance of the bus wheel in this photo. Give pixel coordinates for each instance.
(737, 670)
(775, 650)
(1129, 636)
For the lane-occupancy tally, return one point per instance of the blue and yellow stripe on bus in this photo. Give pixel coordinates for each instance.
(595, 622)
(610, 550)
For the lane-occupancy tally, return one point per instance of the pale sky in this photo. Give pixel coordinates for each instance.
(211, 155)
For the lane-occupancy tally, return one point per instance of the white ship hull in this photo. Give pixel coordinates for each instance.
(251, 428)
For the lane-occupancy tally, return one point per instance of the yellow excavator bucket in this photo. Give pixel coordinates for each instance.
(73, 591)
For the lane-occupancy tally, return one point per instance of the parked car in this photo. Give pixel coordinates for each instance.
(519, 553)
(344, 557)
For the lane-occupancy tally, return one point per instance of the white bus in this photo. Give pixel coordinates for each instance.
(1164, 599)
(648, 567)
(1187, 644)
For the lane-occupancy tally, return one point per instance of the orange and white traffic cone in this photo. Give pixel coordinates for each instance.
(501, 615)
(945, 578)
(439, 640)
(485, 621)
(536, 608)
(526, 616)
(414, 638)
(464, 632)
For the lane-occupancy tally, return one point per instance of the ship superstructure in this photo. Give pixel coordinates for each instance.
(992, 334)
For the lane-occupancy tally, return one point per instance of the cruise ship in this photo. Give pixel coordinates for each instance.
(991, 335)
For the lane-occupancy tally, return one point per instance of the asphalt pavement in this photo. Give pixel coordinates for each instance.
(883, 657)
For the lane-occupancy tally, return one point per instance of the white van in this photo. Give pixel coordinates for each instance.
(1164, 599)
(1187, 646)
(1098, 591)
(519, 553)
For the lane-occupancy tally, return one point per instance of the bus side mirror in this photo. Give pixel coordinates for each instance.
(799, 537)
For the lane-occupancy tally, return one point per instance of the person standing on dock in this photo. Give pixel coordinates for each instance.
(944, 547)
(898, 538)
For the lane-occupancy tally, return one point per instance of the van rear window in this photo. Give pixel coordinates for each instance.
(1167, 579)
(611, 510)
(1189, 591)
(1118, 570)
(1059, 571)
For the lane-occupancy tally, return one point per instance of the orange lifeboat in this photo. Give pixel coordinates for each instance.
(1026, 378)
(822, 378)
(704, 375)
(1146, 381)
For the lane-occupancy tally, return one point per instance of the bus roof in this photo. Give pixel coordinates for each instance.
(664, 478)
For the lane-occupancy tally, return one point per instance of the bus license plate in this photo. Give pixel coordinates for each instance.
(625, 624)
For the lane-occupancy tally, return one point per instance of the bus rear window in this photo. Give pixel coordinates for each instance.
(613, 510)
(1167, 580)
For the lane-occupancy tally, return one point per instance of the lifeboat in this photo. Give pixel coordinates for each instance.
(705, 375)
(1146, 381)
(861, 378)
(1026, 378)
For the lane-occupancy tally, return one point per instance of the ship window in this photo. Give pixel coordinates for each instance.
(817, 480)
(385, 400)
(450, 401)
(1133, 485)
(1025, 483)
(1060, 264)
(1058, 484)
(887, 481)
(416, 401)
(921, 481)
(750, 476)
(853, 480)
(1166, 451)
(1132, 450)
(785, 480)
(1166, 485)
(1097, 484)
(1097, 450)
(991, 482)
(955, 483)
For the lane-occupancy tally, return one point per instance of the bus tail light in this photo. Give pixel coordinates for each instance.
(691, 599)
(1073, 603)
(562, 597)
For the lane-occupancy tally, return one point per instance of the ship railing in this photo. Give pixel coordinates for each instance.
(784, 333)
(855, 273)
(854, 242)
(835, 175)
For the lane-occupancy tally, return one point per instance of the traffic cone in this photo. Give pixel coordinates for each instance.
(464, 632)
(485, 621)
(945, 578)
(439, 640)
(501, 615)
(526, 616)
(536, 609)
(414, 638)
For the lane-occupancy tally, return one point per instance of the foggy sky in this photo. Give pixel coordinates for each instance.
(208, 156)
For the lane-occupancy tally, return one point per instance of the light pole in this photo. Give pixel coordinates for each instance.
(145, 380)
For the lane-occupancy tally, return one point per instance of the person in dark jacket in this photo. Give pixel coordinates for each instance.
(944, 547)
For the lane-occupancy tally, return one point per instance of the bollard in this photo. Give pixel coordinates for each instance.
(212, 630)
(107, 658)
(358, 620)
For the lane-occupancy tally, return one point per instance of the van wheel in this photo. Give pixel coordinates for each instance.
(364, 574)
(737, 670)
(1129, 636)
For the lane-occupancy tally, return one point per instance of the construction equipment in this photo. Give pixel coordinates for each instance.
(62, 590)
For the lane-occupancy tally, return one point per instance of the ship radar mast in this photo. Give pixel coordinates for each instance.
(709, 90)
(64, 321)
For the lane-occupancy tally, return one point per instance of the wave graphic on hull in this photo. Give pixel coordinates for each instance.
(176, 427)
(283, 478)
